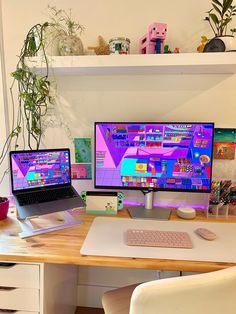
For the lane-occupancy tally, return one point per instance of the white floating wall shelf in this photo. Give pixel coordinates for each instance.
(182, 63)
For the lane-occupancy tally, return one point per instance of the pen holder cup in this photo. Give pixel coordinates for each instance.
(4, 206)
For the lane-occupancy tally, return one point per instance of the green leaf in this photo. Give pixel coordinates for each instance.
(216, 8)
(217, 2)
(214, 19)
(226, 6)
(226, 21)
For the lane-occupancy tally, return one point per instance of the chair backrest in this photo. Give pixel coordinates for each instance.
(209, 293)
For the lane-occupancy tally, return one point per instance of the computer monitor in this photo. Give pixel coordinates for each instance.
(153, 156)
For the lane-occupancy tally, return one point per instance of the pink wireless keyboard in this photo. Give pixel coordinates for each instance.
(170, 239)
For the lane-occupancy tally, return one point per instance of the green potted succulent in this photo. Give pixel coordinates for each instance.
(219, 17)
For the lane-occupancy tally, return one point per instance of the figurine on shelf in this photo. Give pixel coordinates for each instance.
(154, 41)
(203, 43)
(102, 48)
(166, 49)
(176, 50)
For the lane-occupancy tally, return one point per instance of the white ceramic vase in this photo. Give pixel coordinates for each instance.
(221, 44)
(70, 45)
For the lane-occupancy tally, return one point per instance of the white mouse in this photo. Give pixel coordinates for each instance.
(206, 234)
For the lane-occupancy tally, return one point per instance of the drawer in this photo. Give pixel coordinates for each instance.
(16, 312)
(19, 275)
(19, 299)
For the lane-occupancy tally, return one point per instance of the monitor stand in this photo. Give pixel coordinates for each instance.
(149, 211)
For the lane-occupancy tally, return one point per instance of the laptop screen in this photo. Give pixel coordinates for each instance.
(40, 168)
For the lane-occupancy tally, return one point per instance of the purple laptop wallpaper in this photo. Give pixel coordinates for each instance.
(40, 168)
(175, 156)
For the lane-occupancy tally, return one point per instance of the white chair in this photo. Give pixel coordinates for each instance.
(208, 293)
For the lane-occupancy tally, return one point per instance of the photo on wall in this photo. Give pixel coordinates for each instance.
(82, 168)
(81, 171)
(224, 143)
(82, 150)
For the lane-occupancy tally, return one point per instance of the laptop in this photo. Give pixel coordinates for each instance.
(41, 182)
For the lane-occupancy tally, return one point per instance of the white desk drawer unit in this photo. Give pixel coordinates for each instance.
(19, 288)
(19, 275)
(19, 299)
(37, 288)
(16, 312)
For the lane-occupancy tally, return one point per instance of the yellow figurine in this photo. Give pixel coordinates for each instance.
(203, 43)
(102, 48)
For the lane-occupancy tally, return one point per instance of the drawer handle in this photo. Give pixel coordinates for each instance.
(7, 288)
(7, 265)
(7, 311)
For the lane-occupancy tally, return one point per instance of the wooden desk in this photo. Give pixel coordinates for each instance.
(63, 247)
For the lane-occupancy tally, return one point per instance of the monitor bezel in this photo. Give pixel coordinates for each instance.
(16, 191)
(151, 188)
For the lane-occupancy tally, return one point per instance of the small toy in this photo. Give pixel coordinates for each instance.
(102, 48)
(166, 49)
(203, 43)
(119, 45)
(153, 41)
(176, 50)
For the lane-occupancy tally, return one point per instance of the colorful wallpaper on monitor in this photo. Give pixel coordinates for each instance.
(39, 168)
(175, 156)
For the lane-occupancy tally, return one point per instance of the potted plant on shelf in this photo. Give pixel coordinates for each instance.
(4, 206)
(69, 43)
(219, 17)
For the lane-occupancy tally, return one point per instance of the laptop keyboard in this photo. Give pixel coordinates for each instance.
(169, 239)
(45, 196)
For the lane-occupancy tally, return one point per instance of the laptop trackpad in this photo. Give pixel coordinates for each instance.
(49, 207)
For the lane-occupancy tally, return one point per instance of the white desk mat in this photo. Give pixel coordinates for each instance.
(106, 237)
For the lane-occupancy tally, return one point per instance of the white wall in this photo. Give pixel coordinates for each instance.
(4, 180)
(84, 100)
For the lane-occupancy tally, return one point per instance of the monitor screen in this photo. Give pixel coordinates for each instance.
(154, 156)
(39, 168)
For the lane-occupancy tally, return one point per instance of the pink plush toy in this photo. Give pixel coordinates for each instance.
(153, 41)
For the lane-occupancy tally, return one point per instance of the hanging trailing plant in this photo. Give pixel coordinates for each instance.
(33, 89)
(33, 95)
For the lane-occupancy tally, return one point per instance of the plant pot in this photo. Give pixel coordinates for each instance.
(70, 45)
(221, 44)
(4, 206)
